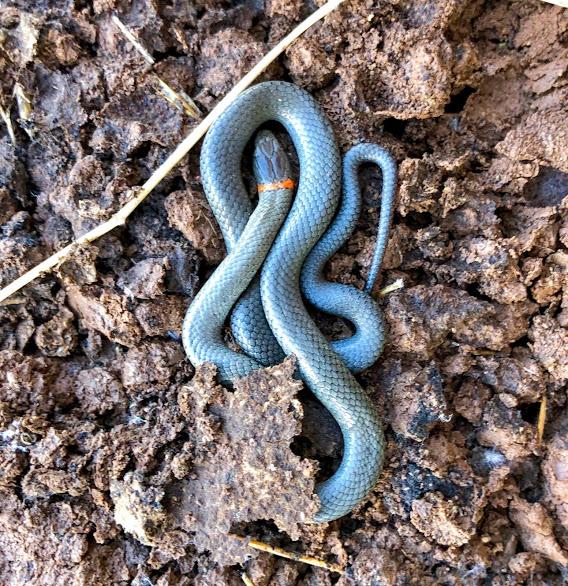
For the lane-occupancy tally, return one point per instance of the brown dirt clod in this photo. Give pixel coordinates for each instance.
(122, 464)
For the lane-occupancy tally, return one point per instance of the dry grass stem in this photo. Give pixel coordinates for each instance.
(246, 579)
(291, 555)
(541, 419)
(175, 157)
(395, 286)
(130, 36)
(23, 102)
(5, 115)
(24, 108)
(563, 3)
(180, 100)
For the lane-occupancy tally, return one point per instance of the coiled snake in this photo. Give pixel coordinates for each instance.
(286, 244)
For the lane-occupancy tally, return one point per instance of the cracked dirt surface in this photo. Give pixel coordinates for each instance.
(122, 465)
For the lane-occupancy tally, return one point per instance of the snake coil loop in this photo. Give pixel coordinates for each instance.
(276, 256)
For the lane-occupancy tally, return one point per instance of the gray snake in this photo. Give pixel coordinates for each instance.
(286, 244)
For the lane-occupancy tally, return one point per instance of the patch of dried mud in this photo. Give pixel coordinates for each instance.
(121, 465)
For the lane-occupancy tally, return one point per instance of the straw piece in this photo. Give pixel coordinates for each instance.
(291, 555)
(541, 419)
(246, 579)
(395, 286)
(130, 36)
(175, 157)
(5, 115)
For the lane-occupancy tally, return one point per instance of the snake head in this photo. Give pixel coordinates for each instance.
(270, 162)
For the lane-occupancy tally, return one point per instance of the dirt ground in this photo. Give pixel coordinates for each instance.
(122, 465)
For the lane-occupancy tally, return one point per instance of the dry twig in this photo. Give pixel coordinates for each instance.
(130, 36)
(246, 579)
(5, 115)
(24, 108)
(291, 555)
(395, 286)
(563, 3)
(180, 100)
(119, 218)
(541, 419)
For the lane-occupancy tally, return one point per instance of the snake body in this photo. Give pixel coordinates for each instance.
(287, 251)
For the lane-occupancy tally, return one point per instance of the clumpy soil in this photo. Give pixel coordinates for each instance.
(121, 464)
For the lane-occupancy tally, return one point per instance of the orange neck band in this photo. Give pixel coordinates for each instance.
(286, 184)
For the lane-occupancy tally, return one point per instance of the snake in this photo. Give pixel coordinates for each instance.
(277, 249)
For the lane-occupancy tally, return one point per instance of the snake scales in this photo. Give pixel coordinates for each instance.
(276, 255)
